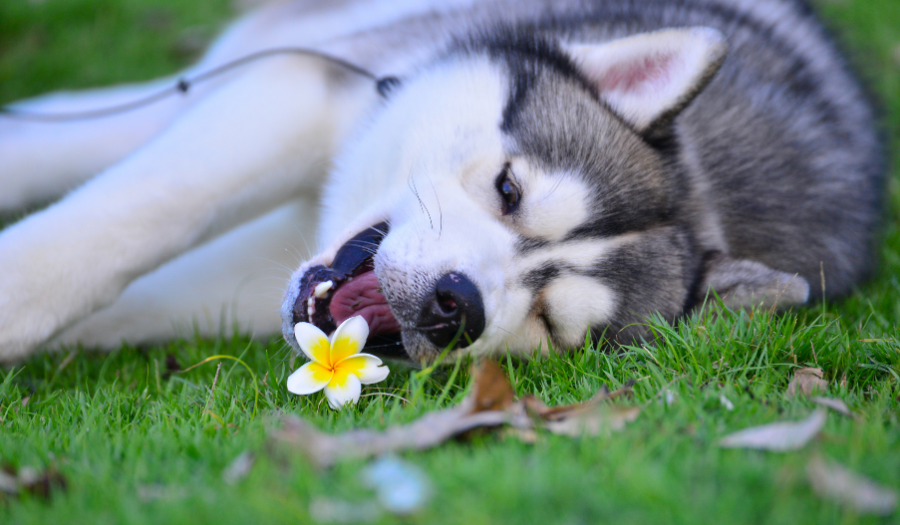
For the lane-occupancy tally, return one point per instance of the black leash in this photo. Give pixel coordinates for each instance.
(383, 85)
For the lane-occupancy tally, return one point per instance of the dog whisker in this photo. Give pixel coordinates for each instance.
(411, 183)
(511, 333)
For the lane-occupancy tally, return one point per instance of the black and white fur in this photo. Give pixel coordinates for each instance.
(660, 148)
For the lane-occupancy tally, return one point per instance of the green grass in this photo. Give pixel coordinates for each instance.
(138, 445)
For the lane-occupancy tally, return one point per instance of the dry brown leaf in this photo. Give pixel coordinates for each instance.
(525, 435)
(536, 407)
(490, 404)
(806, 381)
(835, 404)
(40, 483)
(589, 418)
(426, 432)
(8, 483)
(239, 468)
(777, 437)
(593, 420)
(835, 482)
(491, 389)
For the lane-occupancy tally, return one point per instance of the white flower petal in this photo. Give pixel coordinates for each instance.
(366, 367)
(343, 388)
(313, 342)
(349, 338)
(308, 379)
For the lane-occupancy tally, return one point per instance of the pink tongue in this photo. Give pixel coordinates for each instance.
(361, 296)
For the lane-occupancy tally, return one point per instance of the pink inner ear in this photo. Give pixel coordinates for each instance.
(629, 75)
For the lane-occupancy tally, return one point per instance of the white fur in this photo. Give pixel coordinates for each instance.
(555, 203)
(233, 282)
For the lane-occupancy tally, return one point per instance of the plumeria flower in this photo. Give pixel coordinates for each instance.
(336, 364)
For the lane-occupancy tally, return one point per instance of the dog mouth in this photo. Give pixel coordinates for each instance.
(329, 296)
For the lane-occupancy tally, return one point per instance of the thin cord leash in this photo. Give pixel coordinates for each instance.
(382, 84)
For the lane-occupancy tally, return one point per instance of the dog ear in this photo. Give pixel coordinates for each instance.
(741, 283)
(647, 79)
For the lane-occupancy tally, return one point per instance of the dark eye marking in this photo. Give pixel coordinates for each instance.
(538, 279)
(526, 245)
(509, 191)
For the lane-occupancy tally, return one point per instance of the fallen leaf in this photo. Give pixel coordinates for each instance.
(806, 381)
(537, 407)
(490, 404)
(589, 418)
(525, 435)
(836, 483)
(835, 404)
(777, 437)
(41, 483)
(729, 406)
(239, 468)
(670, 397)
(8, 483)
(491, 389)
(593, 420)
(426, 432)
(28, 480)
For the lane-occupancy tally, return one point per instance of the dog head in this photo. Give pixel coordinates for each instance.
(514, 193)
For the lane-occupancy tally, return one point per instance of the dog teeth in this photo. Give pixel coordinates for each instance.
(310, 307)
(322, 289)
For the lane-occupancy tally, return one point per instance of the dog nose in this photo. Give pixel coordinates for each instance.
(455, 301)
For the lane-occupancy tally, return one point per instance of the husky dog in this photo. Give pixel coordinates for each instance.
(543, 172)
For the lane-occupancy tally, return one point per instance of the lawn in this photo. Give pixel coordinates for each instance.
(139, 439)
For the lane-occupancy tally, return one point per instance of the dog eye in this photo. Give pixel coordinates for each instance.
(508, 190)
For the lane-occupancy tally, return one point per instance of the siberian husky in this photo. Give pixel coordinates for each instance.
(544, 171)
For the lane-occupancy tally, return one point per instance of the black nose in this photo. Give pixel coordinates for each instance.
(455, 302)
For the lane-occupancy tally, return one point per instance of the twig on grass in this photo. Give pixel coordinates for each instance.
(372, 394)
(65, 362)
(212, 391)
(252, 374)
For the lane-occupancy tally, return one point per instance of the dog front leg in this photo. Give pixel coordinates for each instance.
(247, 148)
(235, 281)
(42, 160)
